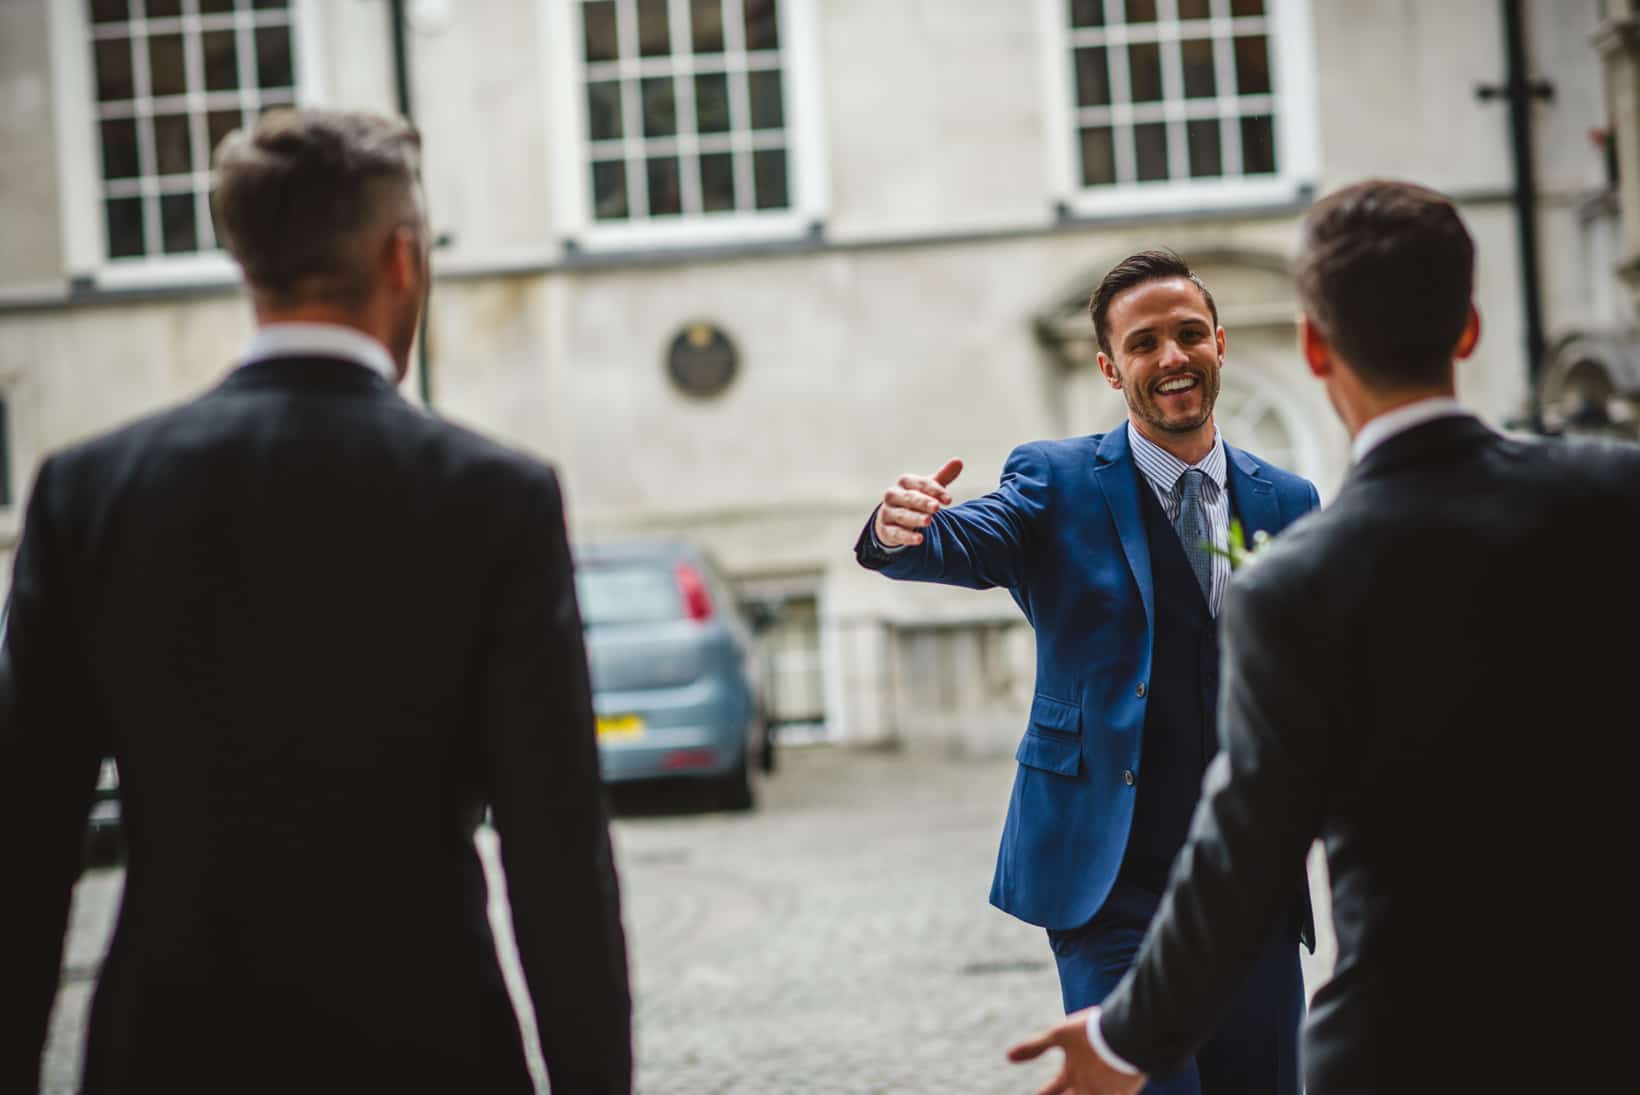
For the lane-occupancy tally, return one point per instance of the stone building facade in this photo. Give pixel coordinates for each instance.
(891, 210)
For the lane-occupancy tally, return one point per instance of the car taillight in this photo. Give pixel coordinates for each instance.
(697, 602)
(685, 759)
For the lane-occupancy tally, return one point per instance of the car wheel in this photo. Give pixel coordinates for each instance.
(735, 789)
(765, 755)
(104, 848)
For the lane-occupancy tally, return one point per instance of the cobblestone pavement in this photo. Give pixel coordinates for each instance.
(836, 940)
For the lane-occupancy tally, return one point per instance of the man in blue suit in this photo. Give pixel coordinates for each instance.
(1103, 541)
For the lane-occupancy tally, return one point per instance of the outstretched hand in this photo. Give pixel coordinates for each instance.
(1084, 1072)
(910, 504)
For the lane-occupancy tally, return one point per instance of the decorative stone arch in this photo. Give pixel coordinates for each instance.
(1591, 385)
(1267, 403)
(1249, 287)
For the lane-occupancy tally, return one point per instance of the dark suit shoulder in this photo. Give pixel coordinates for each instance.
(100, 447)
(463, 460)
(1592, 463)
(1473, 475)
(222, 418)
(97, 461)
(487, 453)
(1471, 496)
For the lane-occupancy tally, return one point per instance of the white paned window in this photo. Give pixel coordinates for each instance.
(692, 115)
(148, 88)
(173, 77)
(1166, 101)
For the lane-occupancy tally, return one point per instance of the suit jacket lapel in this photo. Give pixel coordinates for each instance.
(1252, 497)
(1117, 477)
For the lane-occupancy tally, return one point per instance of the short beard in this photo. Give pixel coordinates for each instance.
(1144, 404)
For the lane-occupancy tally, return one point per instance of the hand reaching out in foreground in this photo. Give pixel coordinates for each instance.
(1084, 1071)
(911, 503)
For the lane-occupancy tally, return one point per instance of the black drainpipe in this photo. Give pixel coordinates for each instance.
(401, 85)
(1520, 92)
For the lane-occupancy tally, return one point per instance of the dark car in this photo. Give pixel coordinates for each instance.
(675, 676)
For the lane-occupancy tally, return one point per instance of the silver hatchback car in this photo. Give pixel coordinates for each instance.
(675, 675)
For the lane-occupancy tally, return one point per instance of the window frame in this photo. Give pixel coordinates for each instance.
(570, 179)
(1293, 102)
(79, 156)
(16, 391)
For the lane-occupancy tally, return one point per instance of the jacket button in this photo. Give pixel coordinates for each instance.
(1140, 691)
(1128, 778)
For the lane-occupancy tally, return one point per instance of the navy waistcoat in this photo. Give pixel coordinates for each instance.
(1179, 736)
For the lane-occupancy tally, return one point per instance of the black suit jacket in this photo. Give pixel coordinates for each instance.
(320, 631)
(1435, 675)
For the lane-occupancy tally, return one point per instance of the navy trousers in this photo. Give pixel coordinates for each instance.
(1254, 1051)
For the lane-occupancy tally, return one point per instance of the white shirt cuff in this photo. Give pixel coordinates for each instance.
(1096, 1038)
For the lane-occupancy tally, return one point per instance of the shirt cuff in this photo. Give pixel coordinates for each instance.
(1096, 1038)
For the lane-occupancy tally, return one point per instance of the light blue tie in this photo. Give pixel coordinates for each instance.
(1194, 531)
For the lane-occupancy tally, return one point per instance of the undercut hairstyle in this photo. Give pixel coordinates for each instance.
(301, 198)
(1386, 271)
(1154, 265)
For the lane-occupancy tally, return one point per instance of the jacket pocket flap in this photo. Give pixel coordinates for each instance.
(1061, 755)
(1048, 713)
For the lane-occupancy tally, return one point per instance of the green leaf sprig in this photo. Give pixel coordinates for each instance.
(1240, 552)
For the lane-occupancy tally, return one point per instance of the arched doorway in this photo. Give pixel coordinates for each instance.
(1248, 413)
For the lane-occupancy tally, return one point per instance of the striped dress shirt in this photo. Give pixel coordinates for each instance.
(1162, 471)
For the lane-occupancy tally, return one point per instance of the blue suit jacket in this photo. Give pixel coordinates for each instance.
(1064, 534)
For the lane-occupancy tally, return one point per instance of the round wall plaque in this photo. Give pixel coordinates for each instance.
(701, 360)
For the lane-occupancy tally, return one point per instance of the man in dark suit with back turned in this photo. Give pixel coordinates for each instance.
(1434, 676)
(1103, 542)
(320, 631)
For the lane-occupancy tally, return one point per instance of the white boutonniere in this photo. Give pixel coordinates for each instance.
(1240, 552)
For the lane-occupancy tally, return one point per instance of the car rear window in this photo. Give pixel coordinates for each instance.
(627, 593)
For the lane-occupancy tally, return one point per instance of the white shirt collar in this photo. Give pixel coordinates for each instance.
(319, 340)
(1378, 430)
(1163, 468)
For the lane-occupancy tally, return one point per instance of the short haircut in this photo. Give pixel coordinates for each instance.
(1386, 270)
(1154, 265)
(299, 197)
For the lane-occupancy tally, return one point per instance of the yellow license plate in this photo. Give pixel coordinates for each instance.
(620, 727)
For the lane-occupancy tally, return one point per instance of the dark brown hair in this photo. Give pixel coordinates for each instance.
(1154, 265)
(1386, 270)
(299, 197)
